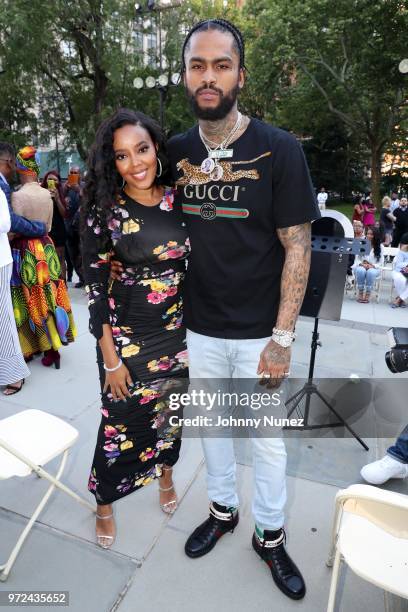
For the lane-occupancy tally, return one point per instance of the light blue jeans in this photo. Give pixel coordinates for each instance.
(366, 277)
(217, 358)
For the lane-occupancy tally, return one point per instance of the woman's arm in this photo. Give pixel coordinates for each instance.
(60, 205)
(96, 246)
(399, 262)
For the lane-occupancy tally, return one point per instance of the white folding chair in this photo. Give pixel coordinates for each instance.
(389, 254)
(29, 440)
(370, 533)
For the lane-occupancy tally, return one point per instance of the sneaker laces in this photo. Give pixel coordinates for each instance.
(279, 556)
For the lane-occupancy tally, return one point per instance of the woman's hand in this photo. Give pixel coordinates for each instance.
(118, 382)
(116, 269)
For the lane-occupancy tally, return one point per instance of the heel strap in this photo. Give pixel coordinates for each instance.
(166, 469)
(108, 516)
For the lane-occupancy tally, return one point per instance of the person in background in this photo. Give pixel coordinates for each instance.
(73, 193)
(393, 465)
(358, 211)
(358, 229)
(401, 221)
(322, 199)
(40, 299)
(368, 213)
(367, 268)
(394, 201)
(386, 221)
(52, 182)
(400, 273)
(19, 225)
(13, 369)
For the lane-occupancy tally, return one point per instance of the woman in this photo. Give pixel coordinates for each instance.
(387, 220)
(368, 213)
(141, 349)
(40, 299)
(358, 211)
(367, 269)
(52, 182)
(13, 369)
(400, 273)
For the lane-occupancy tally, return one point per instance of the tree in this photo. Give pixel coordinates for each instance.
(347, 51)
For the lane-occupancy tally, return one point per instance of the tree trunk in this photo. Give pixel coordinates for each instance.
(376, 157)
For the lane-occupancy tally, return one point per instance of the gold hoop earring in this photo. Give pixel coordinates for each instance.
(161, 167)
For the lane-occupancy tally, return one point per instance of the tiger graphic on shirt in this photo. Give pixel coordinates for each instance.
(193, 175)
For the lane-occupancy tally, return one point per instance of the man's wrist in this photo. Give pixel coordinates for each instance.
(283, 337)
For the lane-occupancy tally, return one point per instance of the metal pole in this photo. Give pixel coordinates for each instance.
(57, 149)
(163, 92)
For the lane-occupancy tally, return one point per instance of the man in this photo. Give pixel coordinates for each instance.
(322, 198)
(393, 465)
(401, 221)
(19, 225)
(73, 193)
(246, 191)
(394, 201)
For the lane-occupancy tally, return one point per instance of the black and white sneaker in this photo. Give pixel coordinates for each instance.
(271, 548)
(204, 538)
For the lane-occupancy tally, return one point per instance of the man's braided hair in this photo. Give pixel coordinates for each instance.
(223, 26)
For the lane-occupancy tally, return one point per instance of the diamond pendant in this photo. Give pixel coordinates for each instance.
(207, 165)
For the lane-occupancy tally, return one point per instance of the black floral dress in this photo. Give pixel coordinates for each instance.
(144, 309)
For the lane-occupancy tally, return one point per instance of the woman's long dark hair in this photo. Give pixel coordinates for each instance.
(58, 187)
(103, 182)
(376, 242)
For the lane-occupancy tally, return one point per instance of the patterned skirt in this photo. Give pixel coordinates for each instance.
(41, 304)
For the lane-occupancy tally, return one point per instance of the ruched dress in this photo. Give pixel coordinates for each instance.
(144, 309)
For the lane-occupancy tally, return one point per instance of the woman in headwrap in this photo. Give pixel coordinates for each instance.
(40, 299)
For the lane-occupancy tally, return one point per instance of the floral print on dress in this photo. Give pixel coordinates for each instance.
(172, 250)
(143, 307)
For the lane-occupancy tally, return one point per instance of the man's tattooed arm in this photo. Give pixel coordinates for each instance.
(296, 241)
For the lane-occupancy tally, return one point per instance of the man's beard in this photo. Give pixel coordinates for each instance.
(226, 103)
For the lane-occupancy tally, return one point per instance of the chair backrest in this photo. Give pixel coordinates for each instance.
(386, 509)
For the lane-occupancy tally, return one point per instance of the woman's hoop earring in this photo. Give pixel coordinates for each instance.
(161, 167)
(123, 184)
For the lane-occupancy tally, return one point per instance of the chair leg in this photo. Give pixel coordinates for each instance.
(54, 484)
(334, 581)
(10, 562)
(39, 471)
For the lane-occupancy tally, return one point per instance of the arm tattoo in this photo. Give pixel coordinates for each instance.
(296, 241)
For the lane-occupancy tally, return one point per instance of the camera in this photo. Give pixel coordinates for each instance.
(397, 357)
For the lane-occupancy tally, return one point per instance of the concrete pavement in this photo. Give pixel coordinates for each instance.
(146, 568)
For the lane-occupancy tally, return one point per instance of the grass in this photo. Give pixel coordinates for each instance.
(344, 207)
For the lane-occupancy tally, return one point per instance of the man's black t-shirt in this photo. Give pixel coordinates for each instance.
(232, 287)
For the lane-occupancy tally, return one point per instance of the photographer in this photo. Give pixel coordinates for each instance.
(52, 182)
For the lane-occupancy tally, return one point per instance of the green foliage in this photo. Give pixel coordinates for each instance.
(327, 71)
(318, 58)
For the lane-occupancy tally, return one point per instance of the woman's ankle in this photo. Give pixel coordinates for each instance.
(104, 510)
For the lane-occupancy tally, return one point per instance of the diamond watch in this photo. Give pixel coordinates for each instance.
(283, 337)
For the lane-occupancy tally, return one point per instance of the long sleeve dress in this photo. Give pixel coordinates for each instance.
(144, 309)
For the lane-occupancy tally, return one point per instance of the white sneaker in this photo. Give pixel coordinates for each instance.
(382, 470)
